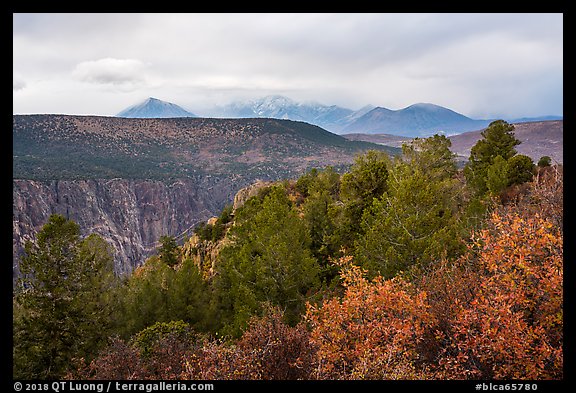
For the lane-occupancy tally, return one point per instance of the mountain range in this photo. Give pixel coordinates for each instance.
(418, 120)
(332, 118)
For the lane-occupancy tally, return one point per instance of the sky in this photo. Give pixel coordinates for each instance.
(481, 65)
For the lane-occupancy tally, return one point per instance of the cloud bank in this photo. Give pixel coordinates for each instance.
(477, 64)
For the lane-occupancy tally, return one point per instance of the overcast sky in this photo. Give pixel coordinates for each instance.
(481, 65)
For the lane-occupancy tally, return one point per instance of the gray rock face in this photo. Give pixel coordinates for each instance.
(130, 214)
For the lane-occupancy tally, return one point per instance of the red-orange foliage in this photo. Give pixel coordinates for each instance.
(449, 286)
(280, 351)
(544, 195)
(373, 332)
(123, 361)
(512, 329)
(496, 313)
(118, 361)
(167, 358)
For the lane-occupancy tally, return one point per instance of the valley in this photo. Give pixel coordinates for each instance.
(134, 180)
(130, 214)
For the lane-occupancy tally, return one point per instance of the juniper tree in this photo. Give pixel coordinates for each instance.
(267, 261)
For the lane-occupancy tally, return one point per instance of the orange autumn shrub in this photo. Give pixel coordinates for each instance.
(512, 329)
(495, 313)
(117, 361)
(449, 286)
(372, 332)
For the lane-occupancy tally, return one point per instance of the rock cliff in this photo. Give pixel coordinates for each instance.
(130, 214)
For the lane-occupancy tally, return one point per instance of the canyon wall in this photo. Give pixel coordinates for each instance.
(130, 214)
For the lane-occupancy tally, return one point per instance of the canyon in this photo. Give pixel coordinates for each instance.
(132, 181)
(130, 214)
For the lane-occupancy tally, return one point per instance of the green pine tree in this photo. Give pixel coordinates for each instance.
(366, 180)
(521, 169)
(269, 261)
(497, 140)
(497, 176)
(189, 297)
(145, 298)
(416, 221)
(63, 300)
(168, 251)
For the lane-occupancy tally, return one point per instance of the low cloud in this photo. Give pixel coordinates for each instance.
(110, 71)
(18, 83)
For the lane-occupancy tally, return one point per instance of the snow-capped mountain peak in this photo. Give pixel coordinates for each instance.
(281, 107)
(155, 108)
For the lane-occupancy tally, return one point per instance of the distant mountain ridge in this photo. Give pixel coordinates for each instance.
(97, 147)
(422, 119)
(535, 119)
(279, 107)
(417, 120)
(155, 108)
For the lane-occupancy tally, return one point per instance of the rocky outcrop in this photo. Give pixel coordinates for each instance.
(248, 192)
(130, 214)
(204, 252)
